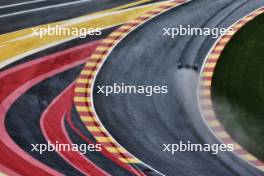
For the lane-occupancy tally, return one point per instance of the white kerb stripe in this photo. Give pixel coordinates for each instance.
(43, 8)
(21, 3)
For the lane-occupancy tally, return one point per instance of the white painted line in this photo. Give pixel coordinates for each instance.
(44, 8)
(83, 19)
(22, 3)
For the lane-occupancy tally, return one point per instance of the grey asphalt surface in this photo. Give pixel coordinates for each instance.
(23, 117)
(34, 18)
(26, 119)
(26, 122)
(28, 5)
(145, 57)
(8, 2)
(96, 157)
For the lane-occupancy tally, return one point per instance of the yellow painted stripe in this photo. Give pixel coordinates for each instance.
(88, 72)
(91, 64)
(81, 99)
(108, 41)
(102, 48)
(173, 3)
(28, 44)
(260, 12)
(240, 25)
(208, 112)
(80, 80)
(129, 160)
(225, 40)
(231, 33)
(114, 34)
(125, 27)
(219, 48)
(206, 83)
(88, 119)
(95, 129)
(138, 21)
(84, 109)
(82, 90)
(159, 10)
(237, 147)
(248, 157)
(104, 139)
(210, 65)
(115, 149)
(23, 32)
(249, 18)
(214, 56)
(213, 123)
(208, 74)
(222, 134)
(97, 56)
(146, 15)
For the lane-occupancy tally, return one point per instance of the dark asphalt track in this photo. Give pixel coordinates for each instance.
(28, 6)
(96, 157)
(145, 57)
(16, 22)
(9, 2)
(26, 122)
(22, 120)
